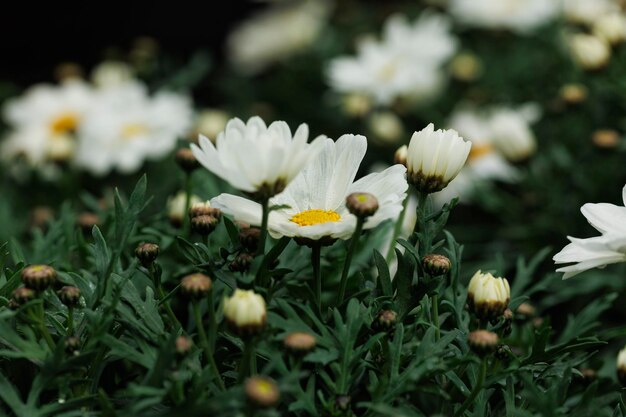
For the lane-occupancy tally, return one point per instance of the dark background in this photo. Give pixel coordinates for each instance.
(36, 36)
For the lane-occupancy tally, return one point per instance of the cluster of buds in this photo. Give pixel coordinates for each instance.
(245, 312)
(204, 218)
(147, 253)
(38, 277)
(362, 205)
(487, 296)
(249, 238)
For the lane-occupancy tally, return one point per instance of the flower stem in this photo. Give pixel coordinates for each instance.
(477, 387)
(247, 366)
(186, 220)
(434, 300)
(156, 279)
(316, 257)
(346, 266)
(70, 320)
(204, 341)
(420, 221)
(397, 229)
(42, 326)
(266, 212)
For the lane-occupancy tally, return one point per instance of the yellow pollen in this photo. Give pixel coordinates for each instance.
(478, 151)
(64, 123)
(264, 387)
(131, 130)
(311, 217)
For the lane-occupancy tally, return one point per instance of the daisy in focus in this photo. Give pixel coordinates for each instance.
(599, 251)
(255, 158)
(313, 206)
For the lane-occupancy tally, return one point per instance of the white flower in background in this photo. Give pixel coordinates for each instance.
(621, 366)
(520, 16)
(111, 74)
(407, 62)
(176, 206)
(316, 199)
(596, 252)
(589, 51)
(588, 11)
(511, 133)
(611, 27)
(276, 34)
(126, 126)
(210, 122)
(255, 158)
(44, 121)
(385, 126)
(435, 157)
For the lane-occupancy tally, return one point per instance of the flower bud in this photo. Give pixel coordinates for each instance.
(183, 345)
(69, 295)
(38, 277)
(386, 126)
(204, 225)
(502, 352)
(41, 216)
(249, 238)
(342, 402)
(86, 221)
(385, 320)
(482, 342)
(573, 93)
(466, 67)
(196, 285)
(362, 205)
(185, 160)
(13, 305)
(621, 367)
(204, 208)
(147, 253)
(611, 27)
(606, 138)
(241, 263)
(435, 157)
(357, 105)
(210, 122)
(245, 312)
(590, 52)
(588, 375)
(72, 345)
(488, 296)
(22, 295)
(400, 156)
(526, 310)
(299, 343)
(436, 265)
(262, 391)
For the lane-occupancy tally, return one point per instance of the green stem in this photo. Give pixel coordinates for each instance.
(434, 300)
(420, 221)
(43, 328)
(477, 387)
(397, 229)
(70, 321)
(212, 322)
(264, 220)
(247, 366)
(186, 221)
(156, 279)
(204, 341)
(316, 258)
(346, 266)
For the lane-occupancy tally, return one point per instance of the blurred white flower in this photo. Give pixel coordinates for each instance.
(596, 252)
(407, 62)
(210, 122)
(611, 27)
(588, 11)
(435, 157)
(276, 34)
(520, 16)
(257, 158)
(42, 119)
(176, 206)
(386, 126)
(111, 74)
(126, 126)
(589, 51)
(511, 133)
(315, 202)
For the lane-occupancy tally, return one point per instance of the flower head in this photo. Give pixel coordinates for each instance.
(488, 296)
(435, 157)
(38, 277)
(599, 251)
(245, 312)
(255, 158)
(589, 51)
(262, 391)
(482, 342)
(313, 206)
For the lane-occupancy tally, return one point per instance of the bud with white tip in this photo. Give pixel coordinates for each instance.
(245, 312)
(589, 51)
(487, 296)
(621, 366)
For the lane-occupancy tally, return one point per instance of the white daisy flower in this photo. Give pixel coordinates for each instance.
(315, 200)
(255, 158)
(126, 126)
(520, 16)
(589, 51)
(511, 133)
(597, 252)
(588, 11)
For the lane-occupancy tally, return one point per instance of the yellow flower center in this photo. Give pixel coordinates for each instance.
(478, 151)
(64, 123)
(132, 130)
(311, 217)
(264, 387)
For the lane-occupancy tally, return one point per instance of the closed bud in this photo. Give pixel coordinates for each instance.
(526, 310)
(204, 225)
(69, 295)
(606, 138)
(183, 345)
(362, 205)
(87, 220)
(621, 367)
(185, 160)
(436, 264)
(249, 238)
(482, 342)
(262, 391)
(573, 93)
(385, 320)
(342, 402)
(147, 253)
(22, 295)
(488, 296)
(72, 345)
(589, 51)
(400, 156)
(242, 262)
(466, 67)
(13, 305)
(201, 208)
(588, 375)
(299, 343)
(245, 312)
(38, 277)
(196, 285)
(502, 352)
